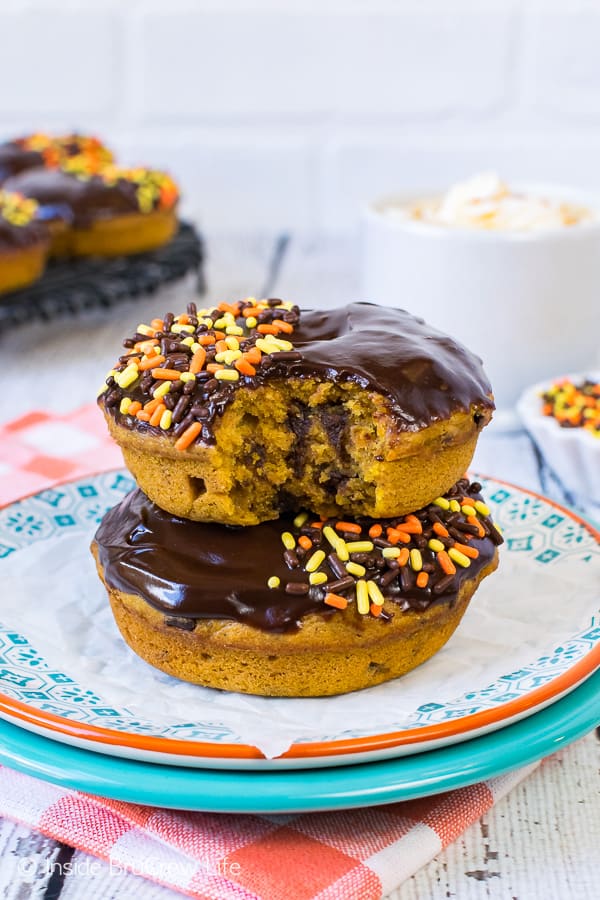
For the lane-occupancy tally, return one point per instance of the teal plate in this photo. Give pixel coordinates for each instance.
(307, 790)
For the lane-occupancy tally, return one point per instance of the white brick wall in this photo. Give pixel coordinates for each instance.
(293, 114)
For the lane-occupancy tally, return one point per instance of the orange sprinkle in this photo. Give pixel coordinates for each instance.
(375, 531)
(283, 326)
(473, 520)
(220, 336)
(198, 360)
(244, 367)
(145, 345)
(142, 415)
(151, 405)
(227, 307)
(156, 415)
(134, 408)
(412, 525)
(206, 339)
(221, 347)
(157, 324)
(439, 529)
(183, 319)
(305, 542)
(471, 552)
(267, 329)
(446, 563)
(422, 579)
(190, 434)
(404, 556)
(214, 367)
(316, 524)
(336, 600)
(166, 374)
(375, 610)
(251, 311)
(350, 527)
(150, 363)
(395, 536)
(253, 356)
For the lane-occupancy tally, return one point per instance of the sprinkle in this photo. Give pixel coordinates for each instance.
(232, 342)
(296, 587)
(375, 531)
(315, 561)
(227, 375)
(124, 405)
(422, 579)
(180, 329)
(126, 378)
(439, 529)
(395, 536)
(150, 362)
(251, 321)
(187, 376)
(305, 542)
(134, 407)
(442, 503)
(467, 510)
(390, 552)
(145, 329)
(481, 508)
(416, 560)
(190, 434)
(348, 527)
(197, 361)
(244, 367)
(362, 597)
(359, 546)
(288, 540)
(166, 419)
(446, 563)
(375, 610)
(435, 545)
(375, 594)
(454, 506)
(336, 601)
(317, 577)
(337, 543)
(157, 415)
(273, 582)
(161, 390)
(164, 374)
(355, 569)
(234, 330)
(458, 557)
(404, 556)
(300, 519)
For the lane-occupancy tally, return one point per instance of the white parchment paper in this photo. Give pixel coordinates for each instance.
(52, 595)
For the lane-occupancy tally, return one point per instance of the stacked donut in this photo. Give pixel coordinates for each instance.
(79, 203)
(302, 525)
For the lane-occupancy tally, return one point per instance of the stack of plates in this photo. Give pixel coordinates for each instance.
(57, 726)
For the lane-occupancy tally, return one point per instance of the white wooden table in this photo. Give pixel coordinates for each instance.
(542, 842)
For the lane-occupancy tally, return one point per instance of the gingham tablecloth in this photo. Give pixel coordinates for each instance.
(354, 855)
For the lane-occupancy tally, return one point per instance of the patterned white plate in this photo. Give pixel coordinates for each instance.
(39, 696)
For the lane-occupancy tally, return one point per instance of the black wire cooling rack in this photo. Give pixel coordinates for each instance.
(71, 286)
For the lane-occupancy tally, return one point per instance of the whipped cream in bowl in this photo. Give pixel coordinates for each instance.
(487, 202)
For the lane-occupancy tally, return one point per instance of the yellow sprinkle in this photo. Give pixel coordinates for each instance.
(225, 320)
(232, 342)
(227, 375)
(124, 405)
(435, 545)
(362, 597)
(317, 577)
(264, 345)
(273, 582)
(228, 356)
(234, 329)
(315, 561)
(251, 322)
(102, 389)
(179, 329)
(391, 552)
(481, 508)
(289, 542)
(189, 342)
(454, 506)
(161, 390)
(355, 569)
(416, 560)
(145, 329)
(342, 550)
(126, 378)
(375, 594)
(459, 558)
(442, 503)
(187, 376)
(300, 519)
(359, 546)
(467, 510)
(280, 343)
(165, 419)
(331, 536)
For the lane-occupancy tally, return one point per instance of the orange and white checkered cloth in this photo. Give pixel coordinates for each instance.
(353, 855)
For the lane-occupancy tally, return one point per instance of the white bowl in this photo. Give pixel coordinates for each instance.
(572, 453)
(525, 302)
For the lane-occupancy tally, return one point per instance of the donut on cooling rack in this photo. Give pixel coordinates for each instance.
(24, 242)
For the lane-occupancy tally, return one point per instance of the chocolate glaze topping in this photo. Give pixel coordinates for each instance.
(191, 570)
(79, 201)
(15, 159)
(426, 375)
